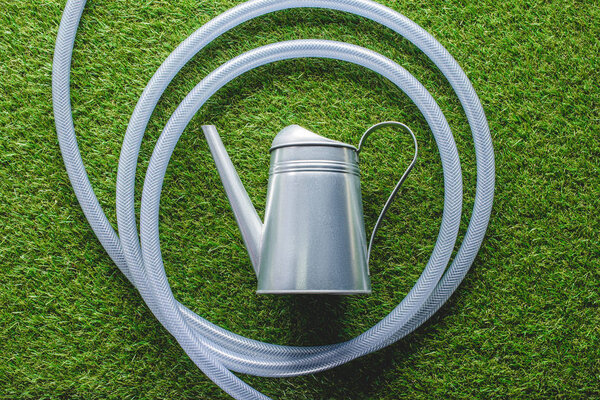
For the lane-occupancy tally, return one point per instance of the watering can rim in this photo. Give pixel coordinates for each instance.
(295, 135)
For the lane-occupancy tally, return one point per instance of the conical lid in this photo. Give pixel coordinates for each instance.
(295, 135)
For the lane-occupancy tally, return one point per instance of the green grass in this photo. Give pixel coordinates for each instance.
(525, 322)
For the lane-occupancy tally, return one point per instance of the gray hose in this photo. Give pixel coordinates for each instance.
(213, 349)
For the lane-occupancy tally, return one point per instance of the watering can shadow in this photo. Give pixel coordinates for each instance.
(313, 238)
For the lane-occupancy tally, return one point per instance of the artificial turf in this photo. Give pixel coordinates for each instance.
(525, 322)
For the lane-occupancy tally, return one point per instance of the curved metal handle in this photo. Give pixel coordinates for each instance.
(400, 182)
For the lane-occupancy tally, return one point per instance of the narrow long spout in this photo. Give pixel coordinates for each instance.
(245, 214)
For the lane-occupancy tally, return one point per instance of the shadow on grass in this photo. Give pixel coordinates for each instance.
(322, 318)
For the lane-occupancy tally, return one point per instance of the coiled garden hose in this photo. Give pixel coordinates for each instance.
(216, 351)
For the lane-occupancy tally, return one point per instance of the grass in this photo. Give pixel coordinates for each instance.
(525, 322)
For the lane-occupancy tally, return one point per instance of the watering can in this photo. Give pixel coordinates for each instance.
(313, 238)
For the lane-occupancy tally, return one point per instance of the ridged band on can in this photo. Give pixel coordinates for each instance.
(314, 166)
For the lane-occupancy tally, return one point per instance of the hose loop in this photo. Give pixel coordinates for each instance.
(216, 351)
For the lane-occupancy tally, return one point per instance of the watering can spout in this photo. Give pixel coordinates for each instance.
(246, 216)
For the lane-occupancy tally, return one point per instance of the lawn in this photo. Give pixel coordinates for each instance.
(525, 322)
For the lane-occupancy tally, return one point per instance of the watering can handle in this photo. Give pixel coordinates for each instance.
(400, 182)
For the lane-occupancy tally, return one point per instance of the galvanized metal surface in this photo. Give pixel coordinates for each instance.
(313, 239)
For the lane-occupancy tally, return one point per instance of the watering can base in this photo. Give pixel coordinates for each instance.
(325, 291)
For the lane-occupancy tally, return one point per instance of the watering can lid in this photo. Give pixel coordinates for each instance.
(295, 135)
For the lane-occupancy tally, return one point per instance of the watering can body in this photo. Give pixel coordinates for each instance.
(313, 238)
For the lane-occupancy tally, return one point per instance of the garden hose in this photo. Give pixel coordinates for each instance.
(216, 351)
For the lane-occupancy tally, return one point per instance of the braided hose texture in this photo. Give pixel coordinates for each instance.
(216, 351)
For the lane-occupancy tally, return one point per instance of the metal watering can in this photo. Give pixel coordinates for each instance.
(313, 239)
